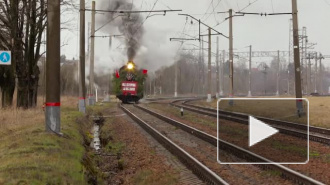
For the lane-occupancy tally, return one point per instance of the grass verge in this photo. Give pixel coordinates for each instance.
(29, 155)
(319, 107)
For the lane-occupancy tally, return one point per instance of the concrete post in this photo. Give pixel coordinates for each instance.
(91, 97)
(217, 70)
(209, 88)
(52, 114)
(296, 56)
(82, 90)
(278, 74)
(250, 71)
(231, 57)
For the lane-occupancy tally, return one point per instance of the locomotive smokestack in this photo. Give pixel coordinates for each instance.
(130, 25)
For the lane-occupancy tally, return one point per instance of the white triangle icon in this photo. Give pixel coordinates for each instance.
(259, 131)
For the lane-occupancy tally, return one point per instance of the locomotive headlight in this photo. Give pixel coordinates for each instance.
(130, 66)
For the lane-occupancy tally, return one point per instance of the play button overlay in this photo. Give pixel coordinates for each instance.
(259, 131)
(263, 131)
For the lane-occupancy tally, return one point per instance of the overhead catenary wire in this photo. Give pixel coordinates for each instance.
(207, 10)
(327, 2)
(205, 25)
(133, 11)
(212, 11)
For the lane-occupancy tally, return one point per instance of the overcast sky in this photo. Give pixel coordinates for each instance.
(263, 33)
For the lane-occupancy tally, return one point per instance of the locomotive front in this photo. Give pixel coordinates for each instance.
(129, 83)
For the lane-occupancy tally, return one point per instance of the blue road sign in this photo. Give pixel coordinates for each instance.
(5, 58)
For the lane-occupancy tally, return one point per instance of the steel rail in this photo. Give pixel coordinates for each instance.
(316, 134)
(238, 151)
(197, 167)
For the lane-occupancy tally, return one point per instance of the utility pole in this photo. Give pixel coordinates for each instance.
(321, 75)
(250, 71)
(222, 71)
(150, 87)
(176, 79)
(304, 58)
(200, 85)
(209, 88)
(231, 57)
(315, 74)
(297, 56)
(278, 74)
(203, 66)
(91, 68)
(53, 116)
(82, 92)
(155, 86)
(217, 70)
(309, 74)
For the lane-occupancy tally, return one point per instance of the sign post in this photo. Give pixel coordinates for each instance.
(5, 57)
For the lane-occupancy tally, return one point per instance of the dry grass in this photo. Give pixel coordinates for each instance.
(13, 119)
(29, 155)
(318, 112)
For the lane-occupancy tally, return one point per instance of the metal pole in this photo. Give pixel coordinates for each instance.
(296, 56)
(150, 92)
(82, 90)
(217, 70)
(96, 97)
(309, 75)
(53, 117)
(307, 67)
(222, 76)
(176, 80)
(231, 57)
(278, 74)
(250, 72)
(305, 58)
(200, 85)
(315, 74)
(209, 88)
(320, 75)
(288, 81)
(203, 67)
(91, 69)
(155, 86)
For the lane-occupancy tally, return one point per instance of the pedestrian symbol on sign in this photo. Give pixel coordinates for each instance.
(5, 57)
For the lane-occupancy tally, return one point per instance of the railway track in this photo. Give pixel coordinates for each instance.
(203, 172)
(225, 146)
(316, 134)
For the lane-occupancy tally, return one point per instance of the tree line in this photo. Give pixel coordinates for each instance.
(192, 77)
(22, 26)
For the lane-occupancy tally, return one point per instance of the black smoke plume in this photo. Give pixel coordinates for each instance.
(130, 25)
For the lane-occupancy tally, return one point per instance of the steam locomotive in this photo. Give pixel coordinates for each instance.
(128, 83)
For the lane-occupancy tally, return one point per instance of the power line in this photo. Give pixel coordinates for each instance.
(327, 2)
(134, 11)
(248, 5)
(207, 10)
(213, 12)
(106, 23)
(204, 25)
(218, 24)
(272, 5)
(261, 14)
